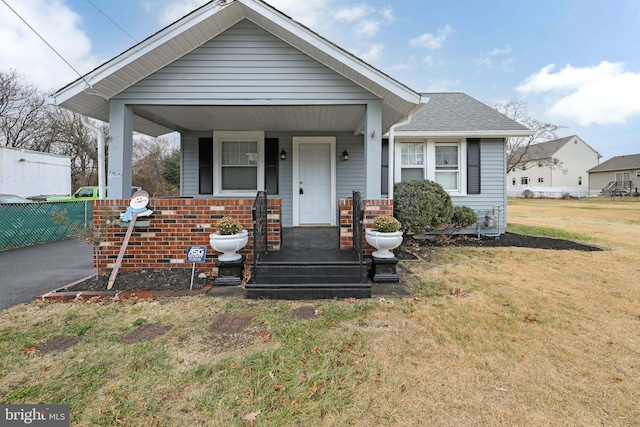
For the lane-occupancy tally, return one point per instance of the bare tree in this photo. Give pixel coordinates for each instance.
(149, 155)
(23, 113)
(69, 137)
(517, 148)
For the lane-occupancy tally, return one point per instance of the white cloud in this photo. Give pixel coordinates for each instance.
(602, 94)
(430, 40)
(351, 14)
(176, 10)
(373, 54)
(495, 60)
(448, 85)
(23, 50)
(368, 28)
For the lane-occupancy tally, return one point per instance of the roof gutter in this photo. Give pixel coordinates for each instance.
(391, 147)
(102, 181)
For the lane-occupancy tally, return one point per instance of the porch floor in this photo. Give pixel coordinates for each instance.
(310, 245)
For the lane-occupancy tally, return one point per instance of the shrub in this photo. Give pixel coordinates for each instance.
(528, 194)
(422, 205)
(228, 225)
(463, 217)
(386, 224)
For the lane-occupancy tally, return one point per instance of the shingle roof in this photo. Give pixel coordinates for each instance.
(458, 112)
(542, 150)
(629, 162)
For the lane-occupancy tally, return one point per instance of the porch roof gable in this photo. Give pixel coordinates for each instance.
(90, 94)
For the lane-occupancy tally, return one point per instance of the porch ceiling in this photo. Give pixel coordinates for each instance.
(268, 118)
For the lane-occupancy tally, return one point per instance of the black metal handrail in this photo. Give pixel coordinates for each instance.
(260, 226)
(358, 219)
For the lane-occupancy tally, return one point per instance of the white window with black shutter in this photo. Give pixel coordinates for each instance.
(445, 161)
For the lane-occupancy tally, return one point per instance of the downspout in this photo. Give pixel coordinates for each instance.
(391, 147)
(102, 181)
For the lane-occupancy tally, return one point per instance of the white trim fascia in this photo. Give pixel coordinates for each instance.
(135, 52)
(296, 141)
(458, 134)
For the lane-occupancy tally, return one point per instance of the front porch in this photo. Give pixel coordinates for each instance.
(290, 263)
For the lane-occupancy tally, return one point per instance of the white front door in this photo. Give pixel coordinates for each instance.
(314, 181)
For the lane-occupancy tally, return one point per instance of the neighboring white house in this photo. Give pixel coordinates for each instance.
(29, 173)
(553, 168)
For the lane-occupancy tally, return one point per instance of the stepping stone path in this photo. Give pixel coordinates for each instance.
(146, 332)
(231, 332)
(62, 343)
(230, 323)
(303, 313)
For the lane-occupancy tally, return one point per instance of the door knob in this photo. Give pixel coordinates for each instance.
(301, 191)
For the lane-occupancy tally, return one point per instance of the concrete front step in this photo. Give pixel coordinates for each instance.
(306, 273)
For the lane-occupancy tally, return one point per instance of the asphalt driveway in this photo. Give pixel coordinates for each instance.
(28, 272)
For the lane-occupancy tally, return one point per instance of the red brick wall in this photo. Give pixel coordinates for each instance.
(175, 225)
(372, 209)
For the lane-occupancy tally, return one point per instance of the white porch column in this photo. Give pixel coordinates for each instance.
(373, 150)
(120, 150)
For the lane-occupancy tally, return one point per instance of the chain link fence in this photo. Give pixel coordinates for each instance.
(32, 223)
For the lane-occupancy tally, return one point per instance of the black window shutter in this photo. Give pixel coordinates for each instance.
(473, 166)
(271, 164)
(205, 165)
(384, 182)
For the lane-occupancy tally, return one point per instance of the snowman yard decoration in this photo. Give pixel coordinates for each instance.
(137, 208)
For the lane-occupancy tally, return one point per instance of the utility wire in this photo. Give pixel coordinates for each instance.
(112, 21)
(46, 42)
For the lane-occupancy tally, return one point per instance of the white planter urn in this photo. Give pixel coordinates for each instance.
(229, 244)
(383, 242)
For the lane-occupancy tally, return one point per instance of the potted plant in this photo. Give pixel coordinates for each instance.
(228, 239)
(384, 236)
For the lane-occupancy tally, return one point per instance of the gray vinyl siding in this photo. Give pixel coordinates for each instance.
(244, 63)
(492, 175)
(189, 166)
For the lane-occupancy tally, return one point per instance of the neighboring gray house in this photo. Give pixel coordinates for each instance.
(619, 175)
(560, 164)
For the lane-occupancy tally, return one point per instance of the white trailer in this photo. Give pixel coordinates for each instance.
(29, 173)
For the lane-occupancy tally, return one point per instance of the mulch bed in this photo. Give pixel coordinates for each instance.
(413, 245)
(145, 280)
(411, 249)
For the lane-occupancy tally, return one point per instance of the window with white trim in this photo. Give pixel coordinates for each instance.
(638, 174)
(437, 160)
(524, 180)
(239, 163)
(540, 180)
(412, 160)
(239, 167)
(447, 171)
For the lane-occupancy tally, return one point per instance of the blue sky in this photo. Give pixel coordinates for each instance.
(575, 62)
